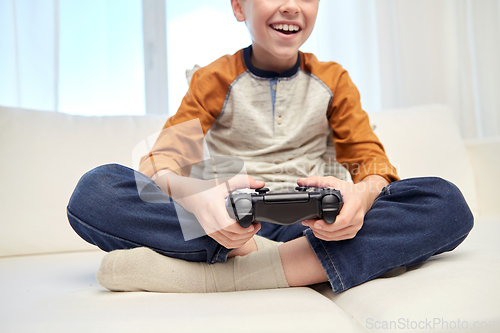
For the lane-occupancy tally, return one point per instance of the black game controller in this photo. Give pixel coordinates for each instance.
(285, 208)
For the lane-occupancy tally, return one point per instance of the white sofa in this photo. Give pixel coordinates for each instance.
(47, 273)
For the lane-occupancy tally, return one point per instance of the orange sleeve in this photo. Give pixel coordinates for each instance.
(180, 143)
(357, 147)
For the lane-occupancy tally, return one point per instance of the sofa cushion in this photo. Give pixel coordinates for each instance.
(44, 154)
(459, 286)
(425, 141)
(59, 293)
(485, 157)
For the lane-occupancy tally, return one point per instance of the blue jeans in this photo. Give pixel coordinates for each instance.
(410, 221)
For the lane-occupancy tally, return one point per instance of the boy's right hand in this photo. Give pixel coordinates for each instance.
(206, 199)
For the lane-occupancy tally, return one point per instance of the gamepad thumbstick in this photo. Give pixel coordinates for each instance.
(263, 190)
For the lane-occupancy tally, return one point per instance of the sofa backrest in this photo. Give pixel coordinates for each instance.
(425, 141)
(44, 154)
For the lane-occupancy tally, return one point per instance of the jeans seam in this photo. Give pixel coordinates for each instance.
(325, 260)
(120, 238)
(217, 255)
(388, 189)
(331, 261)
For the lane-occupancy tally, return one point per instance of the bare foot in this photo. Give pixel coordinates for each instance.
(247, 248)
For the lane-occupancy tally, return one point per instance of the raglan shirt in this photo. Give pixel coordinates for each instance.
(238, 119)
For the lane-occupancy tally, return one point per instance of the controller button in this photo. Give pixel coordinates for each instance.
(263, 190)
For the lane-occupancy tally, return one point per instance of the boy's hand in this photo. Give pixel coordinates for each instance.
(206, 199)
(358, 199)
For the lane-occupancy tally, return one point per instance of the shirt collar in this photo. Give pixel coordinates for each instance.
(247, 54)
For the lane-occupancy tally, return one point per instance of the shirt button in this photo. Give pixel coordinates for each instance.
(275, 87)
(280, 120)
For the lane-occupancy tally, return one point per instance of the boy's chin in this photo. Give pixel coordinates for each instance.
(287, 51)
(281, 56)
(286, 54)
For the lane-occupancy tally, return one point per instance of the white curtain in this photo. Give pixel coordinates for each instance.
(28, 54)
(400, 53)
(68, 56)
(403, 53)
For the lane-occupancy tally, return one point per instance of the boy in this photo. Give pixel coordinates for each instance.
(272, 107)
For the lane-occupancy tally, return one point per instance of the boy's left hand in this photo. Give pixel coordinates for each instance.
(358, 199)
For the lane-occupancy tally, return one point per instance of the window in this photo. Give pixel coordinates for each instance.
(101, 57)
(78, 57)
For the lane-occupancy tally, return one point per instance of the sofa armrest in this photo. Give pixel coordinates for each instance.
(484, 155)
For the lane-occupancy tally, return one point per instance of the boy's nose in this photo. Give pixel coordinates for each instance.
(289, 7)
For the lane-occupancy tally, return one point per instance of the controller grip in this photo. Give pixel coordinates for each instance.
(330, 206)
(241, 211)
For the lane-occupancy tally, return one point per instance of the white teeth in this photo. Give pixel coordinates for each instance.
(286, 27)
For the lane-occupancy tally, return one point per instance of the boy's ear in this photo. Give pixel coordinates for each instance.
(237, 10)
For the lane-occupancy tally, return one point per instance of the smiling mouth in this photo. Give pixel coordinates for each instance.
(287, 29)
